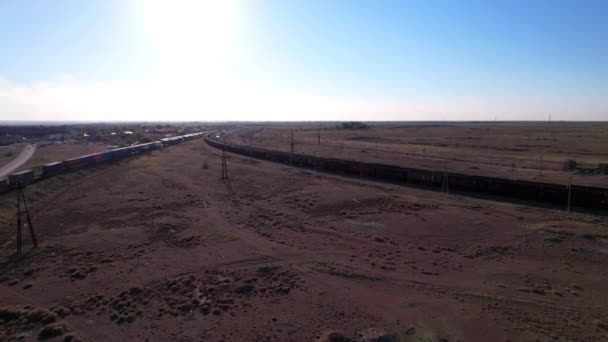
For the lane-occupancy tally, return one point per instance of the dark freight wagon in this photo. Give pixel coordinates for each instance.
(586, 196)
(99, 157)
(21, 178)
(78, 162)
(3, 184)
(388, 172)
(52, 169)
(589, 197)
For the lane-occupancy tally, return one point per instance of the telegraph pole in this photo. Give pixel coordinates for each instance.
(444, 184)
(224, 164)
(318, 136)
(21, 198)
(291, 142)
(18, 222)
(569, 192)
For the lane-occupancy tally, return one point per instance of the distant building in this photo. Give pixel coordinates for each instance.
(165, 130)
(353, 125)
(54, 136)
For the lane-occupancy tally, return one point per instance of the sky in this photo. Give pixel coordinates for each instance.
(304, 60)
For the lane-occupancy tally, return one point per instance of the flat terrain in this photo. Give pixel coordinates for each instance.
(9, 152)
(509, 150)
(27, 156)
(19, 159)
(47, 153)
(158, 248)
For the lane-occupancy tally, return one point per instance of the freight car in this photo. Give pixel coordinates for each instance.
(589, 197)
(21, 178)
(52, 169)
(4, 184)
(388, 172)
(100, 157)
(78, 162)
(586, 196)
(283, 157)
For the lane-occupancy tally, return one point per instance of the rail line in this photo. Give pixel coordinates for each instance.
(583, 197)
(40, 173)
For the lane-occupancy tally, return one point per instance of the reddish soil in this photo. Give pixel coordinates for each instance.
(157, 248)
(508, 150)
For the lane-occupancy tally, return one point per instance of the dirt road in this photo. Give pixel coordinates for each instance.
(21, 159)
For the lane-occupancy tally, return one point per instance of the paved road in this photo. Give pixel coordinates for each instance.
(23, 157)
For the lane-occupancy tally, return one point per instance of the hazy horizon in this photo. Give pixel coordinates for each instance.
(285, 61)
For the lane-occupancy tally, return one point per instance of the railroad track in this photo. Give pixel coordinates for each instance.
(556, 195)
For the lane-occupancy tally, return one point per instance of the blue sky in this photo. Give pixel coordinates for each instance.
(303, 60)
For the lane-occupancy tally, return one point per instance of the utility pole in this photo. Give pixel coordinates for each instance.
(318, 136)
(224, 164)
(569, 192)
(291, 142)
(540, 170)
(18, 221)
(444, 184)
(21, 198)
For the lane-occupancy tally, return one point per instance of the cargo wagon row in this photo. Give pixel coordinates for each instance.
(25, 177)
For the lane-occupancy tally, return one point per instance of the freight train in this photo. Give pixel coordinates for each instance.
(555, 194)
(25, 177)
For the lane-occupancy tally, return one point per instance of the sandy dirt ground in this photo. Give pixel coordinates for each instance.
(19, 160)
(48, 153)
(8, 152)
(158, 248)
(507, 150)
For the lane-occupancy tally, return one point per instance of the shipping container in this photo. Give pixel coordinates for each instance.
(78, 162)
(52, 169)
(4, 185)
(21, 178)
(99, 157)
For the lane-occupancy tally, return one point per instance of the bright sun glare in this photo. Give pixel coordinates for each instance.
(189, 35)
